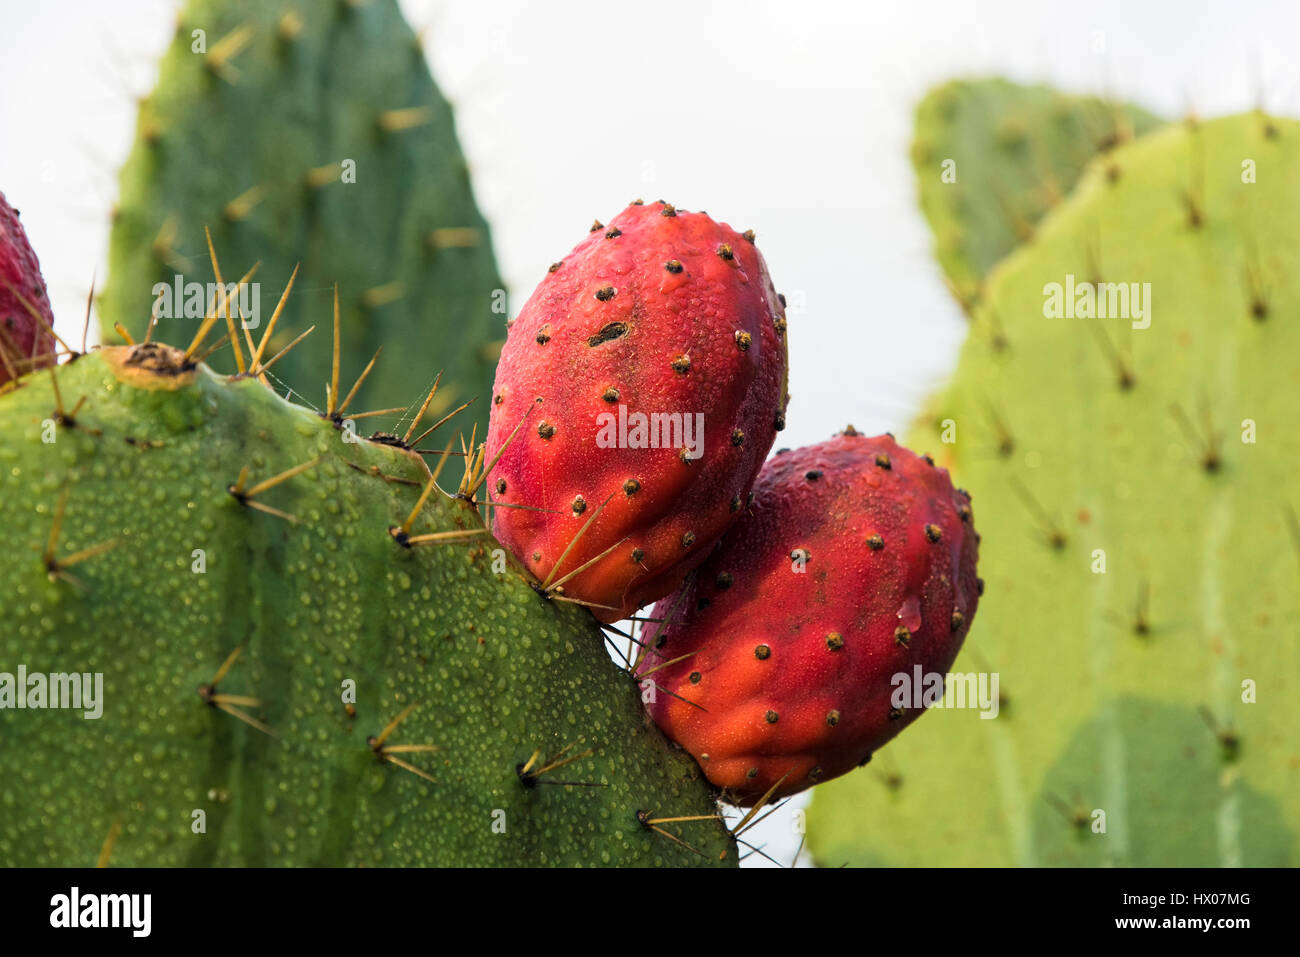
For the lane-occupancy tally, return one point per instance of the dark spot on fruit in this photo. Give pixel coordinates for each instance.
(963, 512)
(958, 619)
(875, 543)
(895, 714)
(751, 773)
(750, 500)
(638, 202)
(545, 430)
(737, 437)
(762, 652)
(979, 586)
(882, 461)
(579, 505)
(673, 266)
(610, 331)
(537, 556)
(501, 486)
(813, 475)
(613, 233)
(688, 540)
(695, 677)
(865, 761)
(703, 603)
(771, 717)
(610, 395)
(723, 581)
(816, 773)
(668, 210)
(933, 532)
(927, 458)
(832, 718)
(596, 224)
(743, 339)
(499, 398)
(780, 296)
(605, 293)
(734, 504)
(834, 641)
(903, 635)
(631, 486)
(682, 363)
(725, 251)
(544, 335)
(748, 234)
(779, 423)
(637, 554)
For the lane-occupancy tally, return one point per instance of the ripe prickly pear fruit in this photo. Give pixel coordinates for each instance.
(855, 563)
(650, 365)
(25, 342)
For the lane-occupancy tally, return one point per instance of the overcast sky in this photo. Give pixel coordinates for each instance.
(792, 119)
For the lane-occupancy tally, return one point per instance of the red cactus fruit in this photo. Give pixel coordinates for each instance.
(650, 367)
(855, 564)
(25, 342)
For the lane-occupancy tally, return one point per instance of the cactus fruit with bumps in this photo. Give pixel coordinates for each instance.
(1136, 481)
(311, 136)
(854, 565)
(26, 337)
(650, 368)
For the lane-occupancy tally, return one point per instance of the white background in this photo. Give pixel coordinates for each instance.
(789, 118)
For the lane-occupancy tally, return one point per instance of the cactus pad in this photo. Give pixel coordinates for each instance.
(1136, 495)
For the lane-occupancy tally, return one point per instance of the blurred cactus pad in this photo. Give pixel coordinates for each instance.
(309, 654)
(992, 157)
(1135, 485)
(311, 132)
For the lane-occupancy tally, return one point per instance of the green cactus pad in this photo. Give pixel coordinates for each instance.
(247, 139)
(1017, 151)
(1125, 690)
(158, 573)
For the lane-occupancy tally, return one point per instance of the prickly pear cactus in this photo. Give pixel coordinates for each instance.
(1134, 479)
(1015, 152)
(282, 649)
(311, 133)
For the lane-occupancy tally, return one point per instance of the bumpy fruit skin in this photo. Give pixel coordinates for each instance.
(795, 668)
(661, 311)
(22, 338)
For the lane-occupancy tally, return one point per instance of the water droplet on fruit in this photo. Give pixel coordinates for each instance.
(909, 615)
